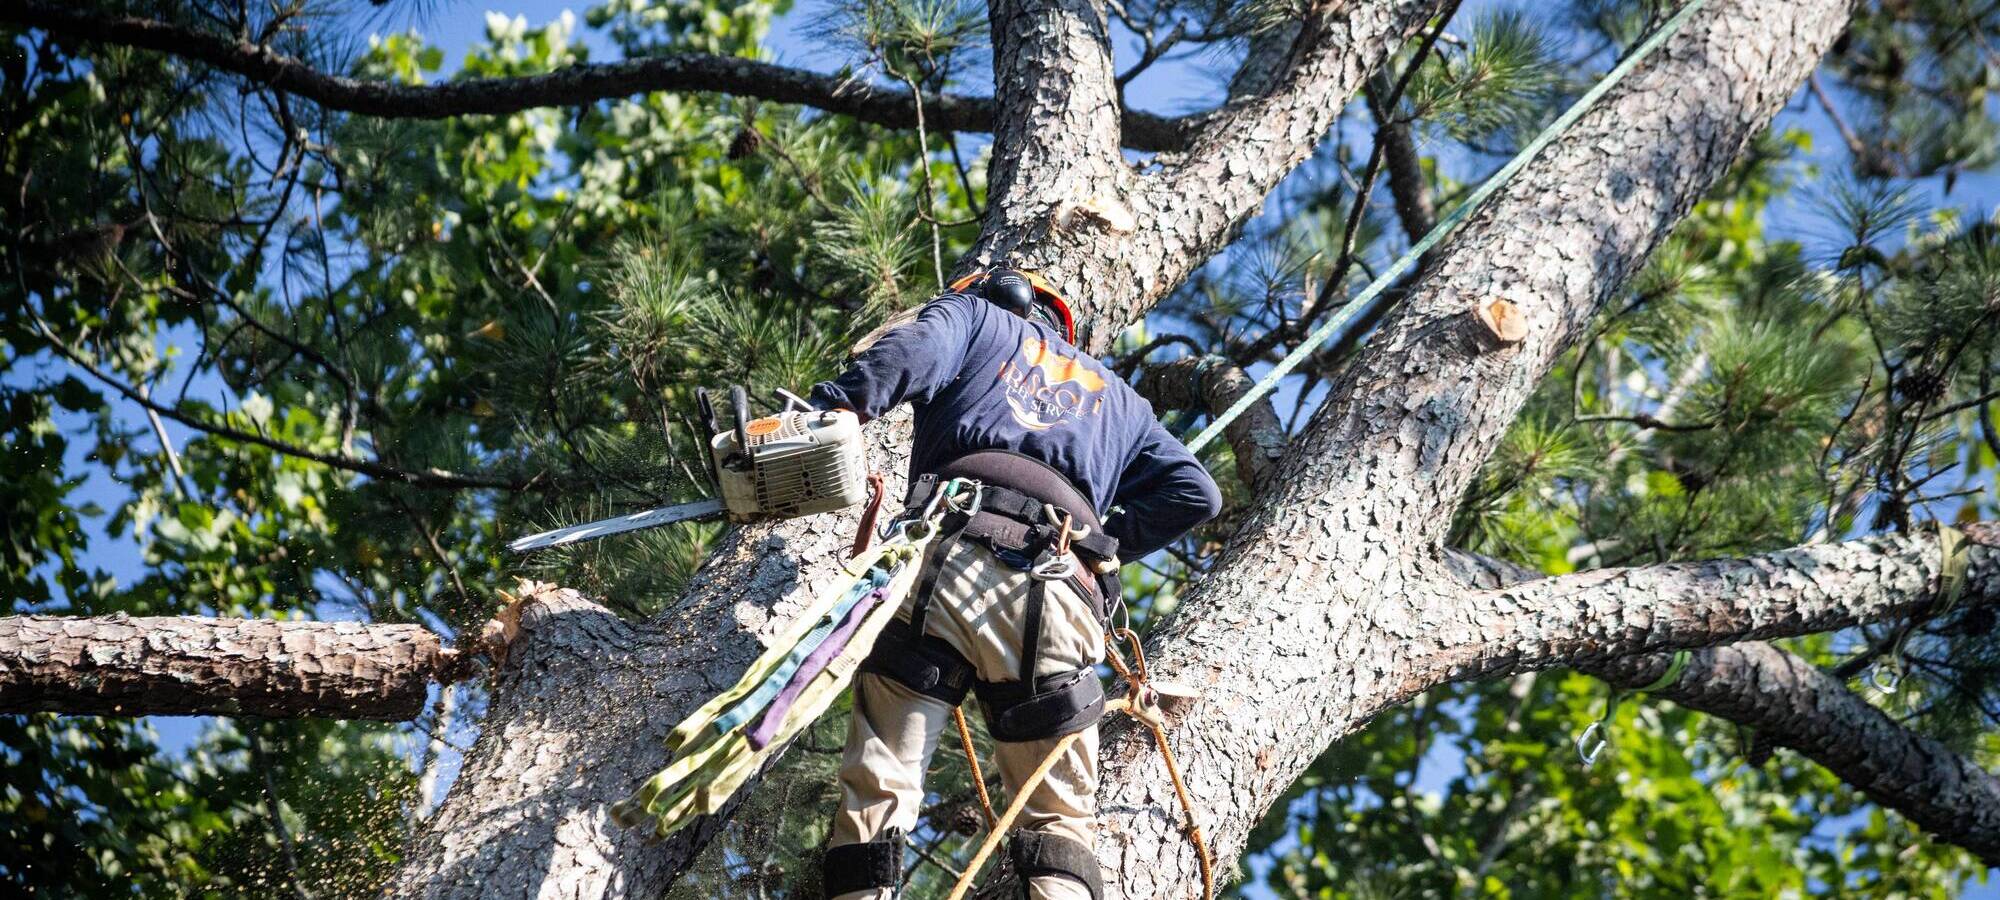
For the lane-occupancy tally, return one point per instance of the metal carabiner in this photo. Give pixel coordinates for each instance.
(1591, 743)
(916, 531)
(1885, 678)
(978, 499)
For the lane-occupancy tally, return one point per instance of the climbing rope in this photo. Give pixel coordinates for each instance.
(1148, 712)
(1444, 227)
(1140, 703)
(972, 763)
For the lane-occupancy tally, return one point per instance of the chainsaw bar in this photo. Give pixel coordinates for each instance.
(589, 531)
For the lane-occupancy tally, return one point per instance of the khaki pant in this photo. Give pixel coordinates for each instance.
(979, 607)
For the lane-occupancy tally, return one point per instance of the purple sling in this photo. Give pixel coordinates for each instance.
(774, 715)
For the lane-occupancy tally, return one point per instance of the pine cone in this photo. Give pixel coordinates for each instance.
(1922, 385)
(747, 141)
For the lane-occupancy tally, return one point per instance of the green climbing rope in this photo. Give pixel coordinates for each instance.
(1444, 226)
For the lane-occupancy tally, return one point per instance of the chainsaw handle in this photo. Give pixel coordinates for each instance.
(739, 408)
(704, 403)
(705, 408)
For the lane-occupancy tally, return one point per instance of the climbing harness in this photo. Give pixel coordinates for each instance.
(1597, 735)
(1141, 703)
(1444, 227)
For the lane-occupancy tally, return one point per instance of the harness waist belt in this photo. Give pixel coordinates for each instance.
(1038, 480)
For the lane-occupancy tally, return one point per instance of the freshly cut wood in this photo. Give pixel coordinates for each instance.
(1503, 320)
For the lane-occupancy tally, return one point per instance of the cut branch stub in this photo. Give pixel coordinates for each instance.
(1502, 321)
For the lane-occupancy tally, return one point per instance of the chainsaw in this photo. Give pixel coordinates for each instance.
(795, 463)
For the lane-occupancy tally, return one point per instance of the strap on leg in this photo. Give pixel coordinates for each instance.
(865, 866)
(933, 564)
(1039, 854)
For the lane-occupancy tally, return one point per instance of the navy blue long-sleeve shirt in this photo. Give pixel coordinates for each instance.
(984, 379)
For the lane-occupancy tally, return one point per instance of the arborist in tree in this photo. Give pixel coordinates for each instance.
(1070, 471)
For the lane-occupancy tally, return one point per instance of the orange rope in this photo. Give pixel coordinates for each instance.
(972, 762)
(997, 828)
(1021, 795)
(1137, 678)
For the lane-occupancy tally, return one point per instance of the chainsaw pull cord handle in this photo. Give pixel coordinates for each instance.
(739, 409)
(704, 403)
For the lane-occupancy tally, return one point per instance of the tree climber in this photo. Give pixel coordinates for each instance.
(1016, 591)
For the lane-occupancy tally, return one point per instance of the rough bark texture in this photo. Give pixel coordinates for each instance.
(186, 665)
(527, 816)
(1328, 581)
(1334, 584)
(1211, 384)
(583, 706)
(1794, 704)
(1056, 219)
(570, 86)
(1609, 613)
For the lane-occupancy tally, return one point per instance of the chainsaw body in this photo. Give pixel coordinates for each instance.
(795, 463)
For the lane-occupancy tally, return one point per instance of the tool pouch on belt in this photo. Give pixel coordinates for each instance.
(1052, 706)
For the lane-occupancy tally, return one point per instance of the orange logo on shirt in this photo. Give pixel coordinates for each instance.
(1046, 389)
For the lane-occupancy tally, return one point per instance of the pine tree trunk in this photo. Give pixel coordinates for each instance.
(579, 714)
(1327, 608)
(1326, 583)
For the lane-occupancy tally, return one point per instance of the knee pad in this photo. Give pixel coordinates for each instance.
(927, 664)
(1037, 854)
(865, 866)
(1052, 706)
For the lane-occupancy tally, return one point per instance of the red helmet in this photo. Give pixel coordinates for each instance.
(1043, 292)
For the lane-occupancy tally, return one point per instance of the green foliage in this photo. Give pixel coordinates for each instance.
(1502, 80)
(528, 299)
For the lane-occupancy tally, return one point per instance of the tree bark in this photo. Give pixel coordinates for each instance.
(1414, 208)
(1212, 384)
(1118, 241)
(187, 665)
(584, 701)
(1327, 608)
(1333, 585)
(1794, 704)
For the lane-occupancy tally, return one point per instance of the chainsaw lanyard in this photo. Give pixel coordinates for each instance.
(1443, 228)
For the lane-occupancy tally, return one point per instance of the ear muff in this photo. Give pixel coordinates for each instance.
(1022, 293)
(1011, 291)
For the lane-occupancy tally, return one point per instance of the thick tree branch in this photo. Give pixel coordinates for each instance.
(1211, 384)
(1613, 613)
(1794, 704)
(188, 665)
(576, 85)
(1321, 615)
